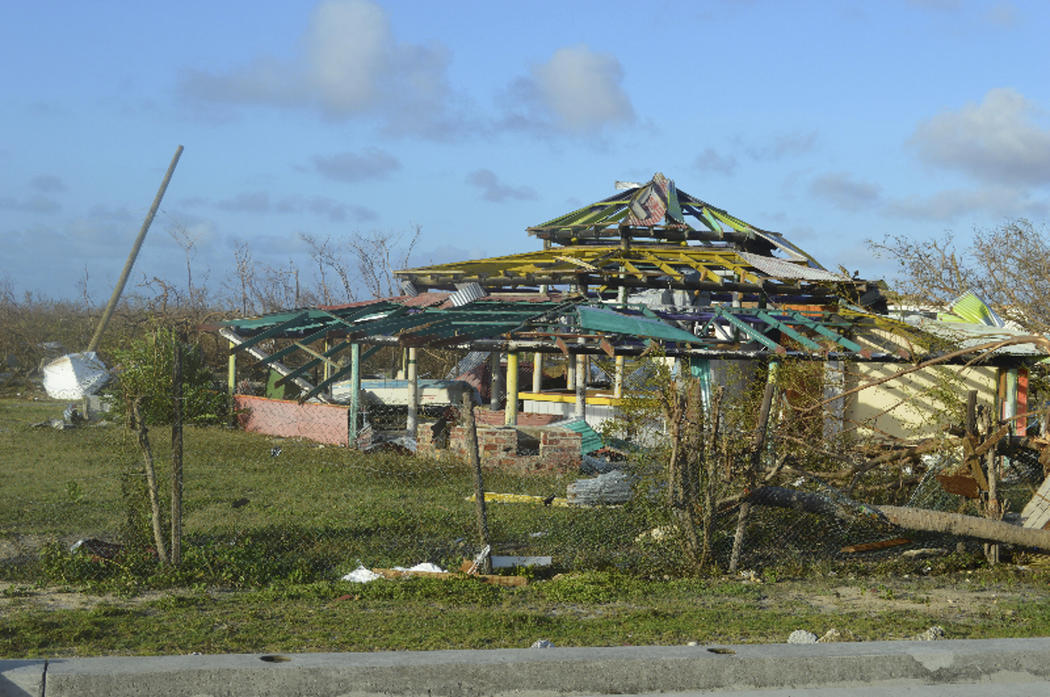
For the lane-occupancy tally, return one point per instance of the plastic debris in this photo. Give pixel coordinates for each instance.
(365, 575)
(75, 376)
(542, 644)
(801, 636)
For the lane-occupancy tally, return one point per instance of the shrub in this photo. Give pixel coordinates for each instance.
(145, 372)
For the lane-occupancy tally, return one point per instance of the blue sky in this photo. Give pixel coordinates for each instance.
(831, 122)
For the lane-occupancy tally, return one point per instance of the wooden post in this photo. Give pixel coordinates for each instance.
(757, 446)
(151, 479)
(510, 412)
(413, 393)
(355, 393)
(580, 412)
(991, 550)
(479, 485)
(176, 451)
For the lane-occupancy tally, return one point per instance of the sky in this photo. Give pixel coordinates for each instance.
(832, 122)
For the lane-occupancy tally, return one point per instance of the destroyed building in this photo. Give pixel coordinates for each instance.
(552, 339)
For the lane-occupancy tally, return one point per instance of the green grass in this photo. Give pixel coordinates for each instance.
(263, 576)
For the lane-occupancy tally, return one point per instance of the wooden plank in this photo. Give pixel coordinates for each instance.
(873, 546)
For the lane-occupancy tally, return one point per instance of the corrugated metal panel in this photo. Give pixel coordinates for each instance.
(466, 293)
(788, 270)
(589, 438)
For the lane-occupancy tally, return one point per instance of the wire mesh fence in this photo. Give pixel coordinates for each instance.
(268, 498)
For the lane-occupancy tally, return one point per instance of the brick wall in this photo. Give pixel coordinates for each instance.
(498, 446)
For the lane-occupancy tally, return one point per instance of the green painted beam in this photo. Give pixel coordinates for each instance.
(789, 330)
(272, 331)
(749, 330)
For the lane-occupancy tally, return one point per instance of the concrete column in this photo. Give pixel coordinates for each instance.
(570, 372)
(618, 378)
(581, 387)
(355, 391)
(537, 372)
(496, 381)
(510, 413)
(413, 393)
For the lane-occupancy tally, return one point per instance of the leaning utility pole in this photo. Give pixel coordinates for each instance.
(108, 312)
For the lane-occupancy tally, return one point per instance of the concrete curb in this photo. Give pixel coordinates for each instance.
(539, 672)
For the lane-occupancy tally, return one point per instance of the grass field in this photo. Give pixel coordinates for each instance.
(268, 537)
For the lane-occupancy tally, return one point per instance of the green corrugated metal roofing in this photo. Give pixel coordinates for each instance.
(590, 441)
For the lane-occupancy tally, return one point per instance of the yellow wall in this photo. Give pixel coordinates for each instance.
(919, 403)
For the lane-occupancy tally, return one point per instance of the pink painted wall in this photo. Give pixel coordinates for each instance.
(323, 423)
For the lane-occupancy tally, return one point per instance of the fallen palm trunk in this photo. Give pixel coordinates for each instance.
(904, 517)
(966, 526)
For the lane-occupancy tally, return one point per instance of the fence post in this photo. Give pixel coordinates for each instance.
(412, 419)
(355, 393)
(176, 450)
(758, 445)
(479, 485)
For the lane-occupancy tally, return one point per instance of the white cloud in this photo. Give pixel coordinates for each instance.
(844, 191)
(950, 204)
(710, 160)
(783, 145)
(577, 90)
(492, 189)
(349, 65)
(998, 140)
(352, 167)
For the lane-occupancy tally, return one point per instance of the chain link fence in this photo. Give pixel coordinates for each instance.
(282, 492)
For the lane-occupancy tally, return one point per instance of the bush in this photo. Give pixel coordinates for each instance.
(145, 372)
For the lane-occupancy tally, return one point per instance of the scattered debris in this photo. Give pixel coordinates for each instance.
(75, 375)
(364, 575)
(509, 562)
(721, 650)
(609, 488)
(241, 502)
(932, 634)
(542, 644)
(834, 635)
(801, 636)
(924, 553)
(361, 575)
(275, 451)
(873, 546)
(96, 548)
(494, 497)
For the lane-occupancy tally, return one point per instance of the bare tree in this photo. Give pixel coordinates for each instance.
(187, 240)
(1009, 267)
(328, 259)
(378, 255)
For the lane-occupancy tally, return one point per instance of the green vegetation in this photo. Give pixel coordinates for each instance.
(268, 535)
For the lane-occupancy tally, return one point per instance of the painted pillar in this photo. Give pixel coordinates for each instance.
(580, 411)
(231, 370)
(510, 413)
(495, 381)
(355, 392)
(326, 370)
(618, 378)
(413, 393)
(570, 372)
(537, 372)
